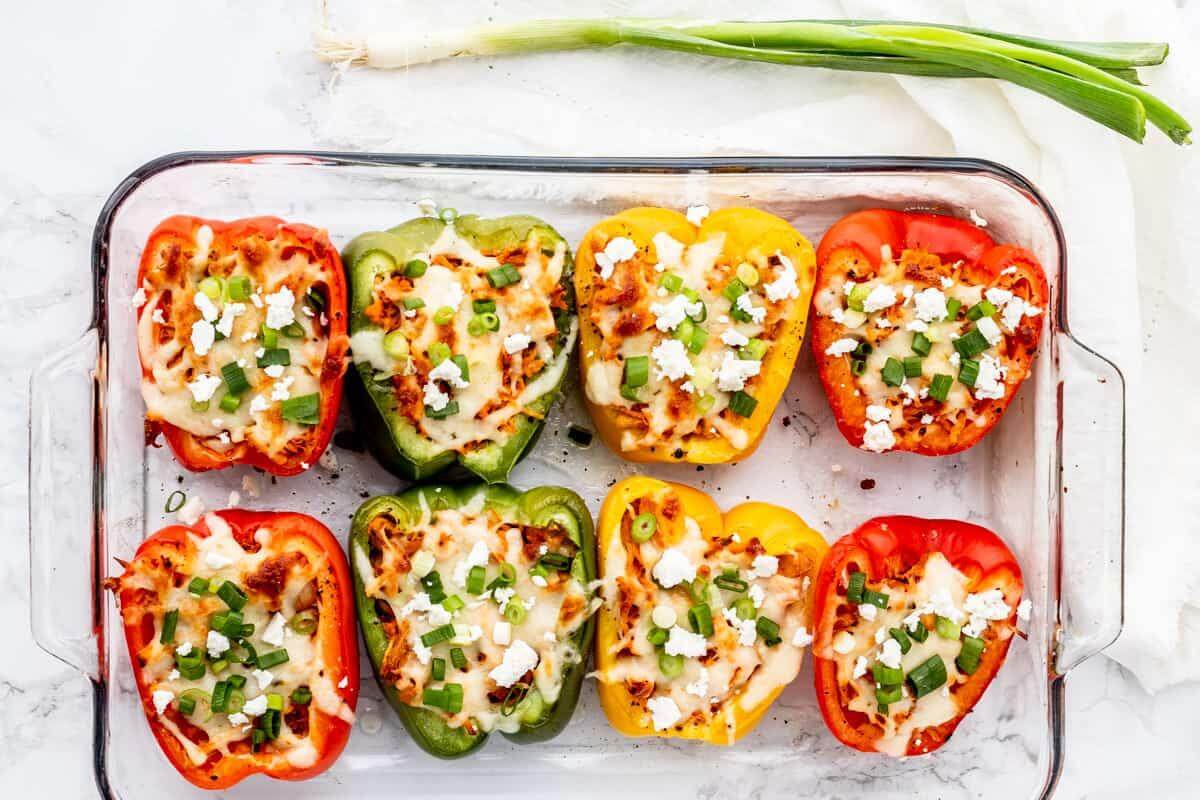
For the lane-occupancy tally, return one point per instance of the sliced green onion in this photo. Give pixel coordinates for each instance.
(475, 326)
(463, 367)
(437, 669)
(921, 345)
(490, 321)
(175, 501)
(873, 598)
(438, 635)
(271, 723)
(448, 410)
(413, 303)
(304, 409)
(230, 403)
(233, 596)
(939, 387)
(293, 330)
(768, 629)
(893, 372)
(231, 625)
(275, 701)
(475, 580)
(186, 705)
(169, 623)
(858, 367)
(514, 612)
(191, 666)
(980, 310)
(237, 681)
(971, 343)
(458, 658)
(314, 300)
(637, 371)
(438, 352)
(453, 603)
(698, 590)
(434, 698)
(887, 676)
(858, 295)
(731, 583)
(855, 585)
(443, 315)
(643, 527)
(304, 622)
(235, 378)
(901, 638)
(700, 618)
(658, 636)
(968, 372)
(742, 404)
(273, 356)
(968, 658)
(702, 314)
(912, 366)
(432, 584)
(671, 282)
(502, 276)
(273, 658)
(213, 287)
(198, 586)
(734, 289)
(483, 306)
(452, 694)
(630, 393)
(507, 576)
(670, 666)
(948, 628)
(754, 350)
(918, 632)
(556, 561)
(864, 349)
(269, 336)
(684, 330)
(301, 695)
(238, 288)
(952, 307)
(415, 268)
(886, 695)
(744, 608)
(220, 697)
(697, 340)
(257, 738)
(928, 676)
(747, 274)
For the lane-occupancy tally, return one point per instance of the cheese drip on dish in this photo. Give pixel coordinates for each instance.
(911, 644)
(467, 593)
(213, 312)
(685, 666)
(929, 345)
(204, 690)
(472, 340)
(685, 330)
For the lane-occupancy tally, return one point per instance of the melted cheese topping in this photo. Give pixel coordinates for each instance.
(219, 558)
(507, 368)
(933, 588)
(694, 336)
(907, 297)
(185, 338)
(553, 608)
(734, 669)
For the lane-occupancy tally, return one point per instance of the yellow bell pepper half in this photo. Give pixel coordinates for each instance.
(751, 237)
(780, 533)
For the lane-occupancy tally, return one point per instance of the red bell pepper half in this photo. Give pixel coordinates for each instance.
(211, 612)
(933, 590)
(238, 264)
(924, 329)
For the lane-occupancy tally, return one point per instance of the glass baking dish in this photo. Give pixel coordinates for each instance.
(1049, 479)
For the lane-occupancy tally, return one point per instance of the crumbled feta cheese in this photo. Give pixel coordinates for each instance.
(880, 297)
(162, 697)
(947, 282)
(434, 397)
(281, 310)
(502, 633)
(208, 309)
(215, 560)
(450, 372)
(843, 643)
(765, 566)
(696, 214)
(801, 638)
(881, 635)
(926, 419)
(264, 678)
(883, 323)
(733, 372)
(539, 581)
(955, 359)
(784, 286)
(842, 347)
(273, 633)
(889, 654)
(519, 658)
(878, 437)
(990, 330)
(671, 360)
(282, 388)
(258, 404)
(157, 316)
(668, 315)
(228, 315)
(699, 687)
(664, 616)
(745, 628)
(203, 336)
(868, 611)
(942, 604)
(930, 305)
(989, 385)
(988, 604)
(438, 616)
(757, 595)
(756, 313)
(273, 370)
(184, 649)
(998, 297)
(423, 653)
(139, 298)
(663, 712)
(502, 595)
(515, 342)
(203, 387)
(860, 667)
(255, 706)
(733, 338)
(238, 718)
(669, 250)
(878, 413)
(685, 643)
(478, 557)
(673, 568)
(216, 644)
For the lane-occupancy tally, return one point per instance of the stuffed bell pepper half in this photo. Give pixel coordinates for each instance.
(690, 330)
(461, 331)
(241, 634)
(913, 620)
(476, 603)
(925, 328)
(242, 339)
(706, 615)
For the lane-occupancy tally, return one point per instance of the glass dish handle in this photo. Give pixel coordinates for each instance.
(63, 437)
(1091, 503)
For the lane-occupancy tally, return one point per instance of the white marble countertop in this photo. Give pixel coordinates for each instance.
(93, 91)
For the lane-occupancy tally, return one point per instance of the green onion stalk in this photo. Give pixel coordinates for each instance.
(1096, 79)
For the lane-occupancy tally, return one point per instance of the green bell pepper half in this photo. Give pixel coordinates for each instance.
(391, 437)
(544, 506)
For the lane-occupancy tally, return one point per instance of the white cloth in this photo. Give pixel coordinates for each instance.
(1131, 213)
